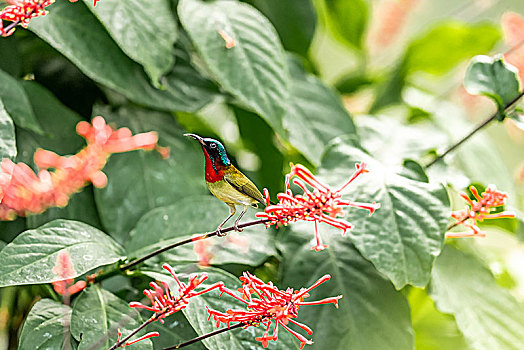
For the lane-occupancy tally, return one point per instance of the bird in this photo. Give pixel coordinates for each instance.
(226, 182)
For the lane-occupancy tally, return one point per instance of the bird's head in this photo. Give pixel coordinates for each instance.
(213, 150)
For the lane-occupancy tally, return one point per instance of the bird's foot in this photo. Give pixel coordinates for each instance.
(238, 229)
(220, 233)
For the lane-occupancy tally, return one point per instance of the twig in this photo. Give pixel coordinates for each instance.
(135, 262)
(482, 125)
(202, 337)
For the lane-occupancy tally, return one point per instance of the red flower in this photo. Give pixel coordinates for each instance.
(479, 209)
(22, 11)
(23, 192)
(322, 204)
(266, 303)
(65, 270)
(163, 300)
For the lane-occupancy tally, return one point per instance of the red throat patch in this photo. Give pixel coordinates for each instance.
(211, 174)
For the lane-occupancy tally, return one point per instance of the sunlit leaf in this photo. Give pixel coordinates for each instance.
(7, 134)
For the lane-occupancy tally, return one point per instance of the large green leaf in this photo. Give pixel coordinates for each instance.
(254, 69)
(44, 326)
(7, 134)
(197, 315)
(59, 124)
(392, 141)
(98, 56)
(98, 315)
(315, 115)
(32, 255)
(16, 103)
(371, 313)
(492, 77)
(487, 314)
(165, 225)
(140, 181)
(145, 33)
(448, 44)
(295, 31)
(346, 19)
(406, 234)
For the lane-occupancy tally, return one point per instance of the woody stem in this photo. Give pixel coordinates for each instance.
(482, 125)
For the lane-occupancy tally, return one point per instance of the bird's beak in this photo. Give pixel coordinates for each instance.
(196, 137)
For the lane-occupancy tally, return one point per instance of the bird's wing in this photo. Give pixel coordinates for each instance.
(243, 185)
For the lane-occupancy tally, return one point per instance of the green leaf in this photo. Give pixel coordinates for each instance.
(31, 256)
(7, 134)
(391, 141)
(98, 56)
(145, 33)
(97, 316)
(492, 77)
(488, 316)
(433, 329)
(174, 223)
(16, 103)
(254, 69)
(197, 315)
(347, 20)
(315, 116)
(448, 44)
(295, 31)
(371, 313)
(140, 181)
(44, 326)
(405, 235)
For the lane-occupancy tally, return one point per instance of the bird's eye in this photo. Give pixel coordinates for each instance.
(213, 145)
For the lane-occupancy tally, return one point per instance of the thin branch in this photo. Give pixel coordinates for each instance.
(135, 262)
(202, 337)
(482, 125)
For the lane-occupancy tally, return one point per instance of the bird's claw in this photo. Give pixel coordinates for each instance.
(238, 229)
(220, 233)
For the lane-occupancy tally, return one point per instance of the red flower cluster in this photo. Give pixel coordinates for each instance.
(164, 302)
(23, 192)
(266, 303)
(22, 11)
(65, 270)
(479, 209)
(322, 204)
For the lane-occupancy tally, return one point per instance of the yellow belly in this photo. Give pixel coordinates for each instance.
(228, 194)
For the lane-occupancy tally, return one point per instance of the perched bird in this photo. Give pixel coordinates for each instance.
(226, 182)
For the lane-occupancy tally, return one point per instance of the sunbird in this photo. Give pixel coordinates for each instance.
(226, 182)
